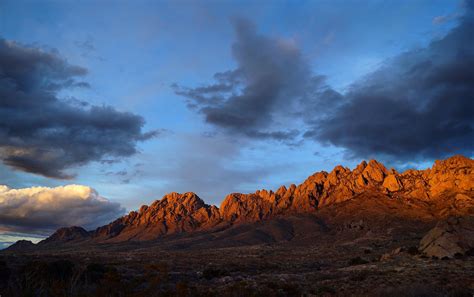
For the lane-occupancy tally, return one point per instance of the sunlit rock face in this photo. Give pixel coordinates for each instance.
(455, 175)
(447, 188)
(174, 213)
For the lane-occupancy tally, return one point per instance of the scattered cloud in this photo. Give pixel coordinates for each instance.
(40, 210)
(253, 100)
(43, 134)
(441, 19)
(463, 5)
(125, 176)
(419, 104)
(86, 45)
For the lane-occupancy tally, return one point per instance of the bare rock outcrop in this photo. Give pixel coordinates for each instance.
(174, 213)
(454, 236)
(453, 175)
(438, 192)
(392, 183)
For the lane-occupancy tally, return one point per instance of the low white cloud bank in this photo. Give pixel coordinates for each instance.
(40, 210)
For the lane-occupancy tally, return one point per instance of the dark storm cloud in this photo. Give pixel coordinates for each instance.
(419, 104)
(42, 134)
(271, 78)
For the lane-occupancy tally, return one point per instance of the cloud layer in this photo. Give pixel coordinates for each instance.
(418, 105)
(9, 238)
(40, 210)
(42, 134)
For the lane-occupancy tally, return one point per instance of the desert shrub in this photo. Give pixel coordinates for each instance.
(359, 276)
(240, 289)
(60, 269)
(154, 281)
(39, 271)
(470, 253)
(93, 273)
(42, 278)
(414, 290)
(290, 289)
(323, 290)
(213, 272)
(182, 289)
(4, 273)
(357, 261)
(311, 265)
(413, 250)
(445, 258)
(157, 271)
(460, 292)
(112, 284)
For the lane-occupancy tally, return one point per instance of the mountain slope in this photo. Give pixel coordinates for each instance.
(174, 213)
(455, 174)
(341, 197)
(21, 246)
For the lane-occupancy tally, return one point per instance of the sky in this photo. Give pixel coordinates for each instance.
(108, 105)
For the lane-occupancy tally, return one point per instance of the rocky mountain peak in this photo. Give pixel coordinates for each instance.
(67, 234)
(322, 189)
(176, 213)
(375, 171)
(173, 213)
(179, 204)
(21, 246)
(455, 173)
(454, 163)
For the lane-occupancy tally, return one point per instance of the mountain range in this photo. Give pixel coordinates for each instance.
(370, 196)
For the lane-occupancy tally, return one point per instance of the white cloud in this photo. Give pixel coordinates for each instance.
(39, 210)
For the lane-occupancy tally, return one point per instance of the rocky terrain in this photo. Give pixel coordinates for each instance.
(444, 190)
(450, 238)
(370, 231)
